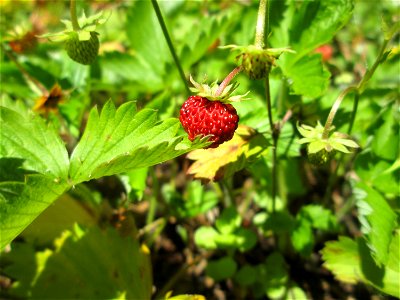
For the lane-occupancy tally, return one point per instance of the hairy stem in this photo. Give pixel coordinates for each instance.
(260, 27)
(227, 79)
(367, 76)
(358, 89)
(169, 42)
(74, 19)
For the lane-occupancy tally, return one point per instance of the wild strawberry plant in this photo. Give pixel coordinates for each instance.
(122, 177)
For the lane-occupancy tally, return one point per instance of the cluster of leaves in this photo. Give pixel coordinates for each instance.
(71, 176)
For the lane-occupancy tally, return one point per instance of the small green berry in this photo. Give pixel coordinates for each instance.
(256, 63)
(83, 52)
(321, 157)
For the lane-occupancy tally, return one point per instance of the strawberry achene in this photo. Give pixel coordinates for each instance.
(200, 116)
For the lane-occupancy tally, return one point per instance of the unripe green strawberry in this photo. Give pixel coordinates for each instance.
(256, 63)
(83, 52)
(321, 157)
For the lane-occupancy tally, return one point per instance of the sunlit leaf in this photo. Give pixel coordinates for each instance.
(29, 138)
(119, 140)
(228, 158)
(350, 261)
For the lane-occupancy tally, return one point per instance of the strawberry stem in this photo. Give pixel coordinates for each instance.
(74, 19)
(260, 27)
(227, 79)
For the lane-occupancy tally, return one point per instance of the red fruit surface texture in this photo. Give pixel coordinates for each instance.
(200, 116)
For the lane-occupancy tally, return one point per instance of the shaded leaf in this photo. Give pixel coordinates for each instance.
(22, 202)
(316, 22)
(93, 260)
(222, 268)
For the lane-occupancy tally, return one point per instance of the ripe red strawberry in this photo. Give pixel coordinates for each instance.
(200, 116)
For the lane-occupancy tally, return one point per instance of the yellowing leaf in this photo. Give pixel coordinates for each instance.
(228, 158)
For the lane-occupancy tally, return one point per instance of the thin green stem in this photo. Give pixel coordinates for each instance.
(354, 112)
(367, 76)
(260, 27)
(153, 199)
(358, 89)
(74, 19)
(269, 105)
(169, 42)
(275, 135)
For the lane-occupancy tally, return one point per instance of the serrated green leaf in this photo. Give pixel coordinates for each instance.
(377, 221)
(200, 38)
(92, 259)
(316, 22)
(310, 78)
(41, 172)
(29, 138)
(350, 261)
(117, 141)
(386, 138)
(22, 202)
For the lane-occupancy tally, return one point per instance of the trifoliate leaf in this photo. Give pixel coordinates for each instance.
(228, 158)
